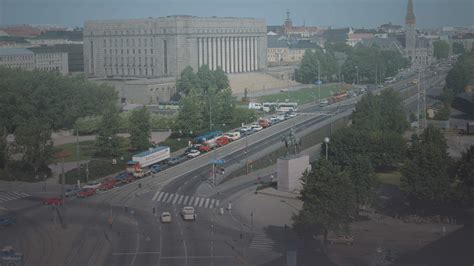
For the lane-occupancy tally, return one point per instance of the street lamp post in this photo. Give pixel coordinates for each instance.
(319, 83)
(357, 74)
(326, 141)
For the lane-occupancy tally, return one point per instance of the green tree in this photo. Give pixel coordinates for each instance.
(140, 128)
(329, 201)
(190, 116)
(3, 148)
(363, 179)
(220, 79)
(459, 76)
(33, 136)
(205, 77)
(458, 48)
(425, 175)
(107, 142)
(308, 71)
(465, 174)
(441, 49)
(187, 80)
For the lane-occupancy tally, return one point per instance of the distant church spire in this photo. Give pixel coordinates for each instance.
(410, 17)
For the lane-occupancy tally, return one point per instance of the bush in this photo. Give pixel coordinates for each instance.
(22, 171)
(97, 169)
(87, 125)
(162, 122)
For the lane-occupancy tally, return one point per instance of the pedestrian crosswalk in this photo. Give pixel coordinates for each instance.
(174, 198)
(10, 195)
(262, 242)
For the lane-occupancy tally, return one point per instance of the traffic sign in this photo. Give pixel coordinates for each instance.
(218, 161)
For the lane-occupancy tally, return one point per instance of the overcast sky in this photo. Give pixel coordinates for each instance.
(336, 13)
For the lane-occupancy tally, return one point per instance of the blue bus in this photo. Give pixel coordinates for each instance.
(208, 136)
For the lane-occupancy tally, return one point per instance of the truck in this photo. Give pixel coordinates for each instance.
(264, 122)
(188, 213)
(9, 257)
(139, 163)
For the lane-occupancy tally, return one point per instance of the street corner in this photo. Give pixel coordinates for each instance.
(268, 209)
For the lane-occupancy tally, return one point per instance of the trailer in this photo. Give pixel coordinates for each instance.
(152, 156)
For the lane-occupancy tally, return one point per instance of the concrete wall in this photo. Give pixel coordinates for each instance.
(290, 170)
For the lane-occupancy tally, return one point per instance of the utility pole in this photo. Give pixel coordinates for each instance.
(319, 83)
(247, 152)
(376, 75)
(78, 153)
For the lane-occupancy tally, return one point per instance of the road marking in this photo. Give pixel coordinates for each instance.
(196, 201)
(161, 195)
(202, 202)
(185, 200)
(132, 253)
(217, 203)
(262, 242)
(175, 199)
(207, 203)
(170, 198)
(11, 195)
(164, 198)
(180, 199)
(212, 204)
(198, 257)
(156, 195)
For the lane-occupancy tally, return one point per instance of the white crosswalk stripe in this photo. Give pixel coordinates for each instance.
(10, 195)
(159, 197)
(174, 198)
(185, 200)
(212, 203)
(262, 242)
(201, 202)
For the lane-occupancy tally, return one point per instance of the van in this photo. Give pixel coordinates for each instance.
(188, 213)
(233, 135)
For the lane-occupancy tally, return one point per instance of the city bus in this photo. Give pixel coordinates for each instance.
(390, 80)
(287, 107)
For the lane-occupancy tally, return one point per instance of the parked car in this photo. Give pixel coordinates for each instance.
(202, 148)
(337, 239)
(108, 184)
(323, 103)
(166, 217)
(86, 192)
(281, 117)
(193, 153)
(235, 135)
(53, 201)
(256, 127)
(7, 220)
(155, 168)
(71, 192)
(290, 114)
(222, 141)
(245, 129)
(92, 184)
(175, 160)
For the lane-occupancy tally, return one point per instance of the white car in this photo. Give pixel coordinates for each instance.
(233, 135)
(188, 213)
(93, 184)
(281, 117)
(193, 153)
(166, 217)
(256, 127)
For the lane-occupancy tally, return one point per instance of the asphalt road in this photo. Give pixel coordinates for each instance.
(135, 235)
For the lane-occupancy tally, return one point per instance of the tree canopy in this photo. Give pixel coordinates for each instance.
(461, 73)
(441, 49)
(140, 129)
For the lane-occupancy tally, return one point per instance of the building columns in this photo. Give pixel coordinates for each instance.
(231, 54)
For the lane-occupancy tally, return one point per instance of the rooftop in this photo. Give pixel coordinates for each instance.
(15, 51)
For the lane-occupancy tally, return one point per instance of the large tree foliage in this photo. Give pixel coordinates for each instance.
(329, 201)
(187, 80)
(459, 76)
(140, 129)
(458, 48)
(363, 179)
(465, 174)
(209, 104)
(34, 103)
(425, 175)
(370, 62)
(441, 49)
(107, 142)
(308, 72)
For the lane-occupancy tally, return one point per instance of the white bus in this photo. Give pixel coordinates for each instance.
(255, 106)
(287, 107)
(267, 106)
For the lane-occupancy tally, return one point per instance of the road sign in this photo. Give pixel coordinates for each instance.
(218, 161)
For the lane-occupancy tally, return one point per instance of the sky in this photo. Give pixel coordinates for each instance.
(334, 13)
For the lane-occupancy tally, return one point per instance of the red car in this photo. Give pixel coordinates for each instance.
(107, 185)
(53, 201)
(222, 141)
(202, 148)
(85, 192)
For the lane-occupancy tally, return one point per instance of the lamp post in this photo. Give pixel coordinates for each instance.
(326, 141)
(357, 74)
(319, 83)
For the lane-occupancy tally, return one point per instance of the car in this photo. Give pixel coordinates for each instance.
(175, 160)
(245, 129)
(202, 148)
(290, 114)
(71, 192)
(53, 201)
(234, 135)
(193, 153)
(333, 238)
(256, 127)
(108, 184)
(323, 103)
(155, 168)
(222, 141)
(92, 184)
(380, 86)
(84, 193)
(281, 117)
(166, 217)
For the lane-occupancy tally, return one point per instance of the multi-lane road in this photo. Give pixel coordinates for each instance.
(122, 227)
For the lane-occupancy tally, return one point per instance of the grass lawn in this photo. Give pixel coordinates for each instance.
(301, 96)
(391, 178)
(175, 144)
(87, 150)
